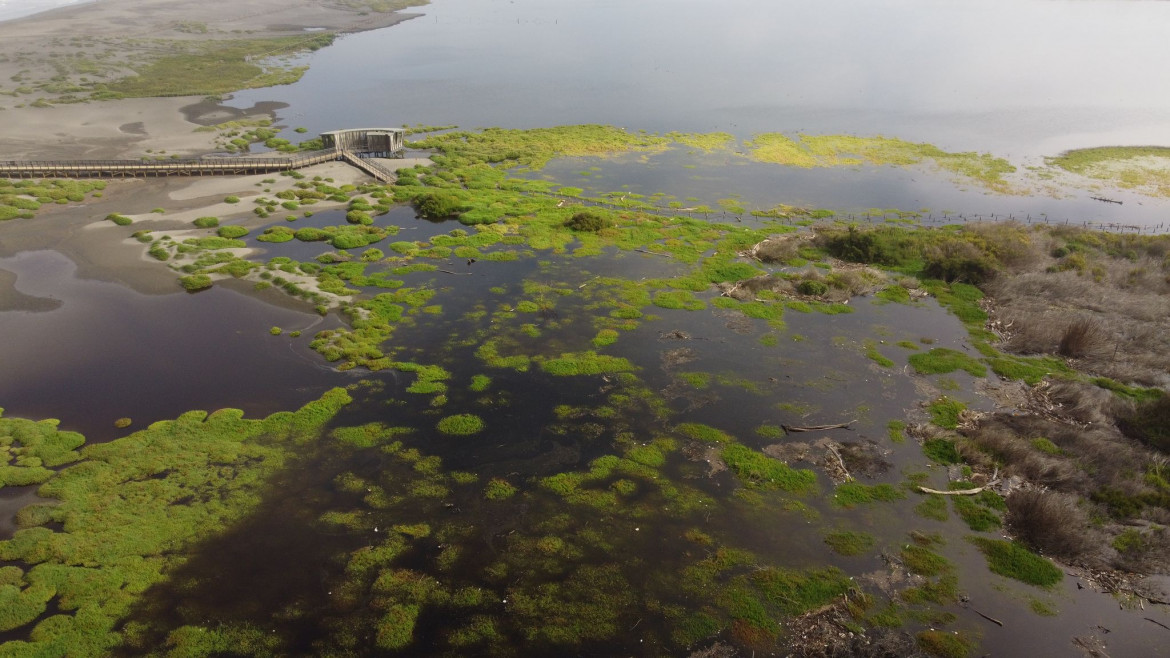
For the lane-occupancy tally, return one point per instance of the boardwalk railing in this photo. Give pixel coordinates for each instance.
(371, 167)
(225, 166)
(347, 145)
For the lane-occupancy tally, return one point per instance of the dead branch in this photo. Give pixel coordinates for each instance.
(833, 449)
(959, 492)
(817, 428)
(1157, 622)
(990, 619)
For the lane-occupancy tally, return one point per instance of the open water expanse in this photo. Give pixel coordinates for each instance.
(621, 556)
(1022, 80)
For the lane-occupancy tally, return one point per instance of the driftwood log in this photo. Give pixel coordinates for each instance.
(817, 428)
(958, 492)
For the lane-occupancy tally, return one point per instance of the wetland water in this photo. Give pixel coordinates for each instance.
(626, 509)
(919, 70)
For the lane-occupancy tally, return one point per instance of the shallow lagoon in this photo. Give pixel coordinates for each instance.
(341, 496)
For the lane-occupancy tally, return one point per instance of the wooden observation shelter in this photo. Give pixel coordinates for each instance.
(374, 142)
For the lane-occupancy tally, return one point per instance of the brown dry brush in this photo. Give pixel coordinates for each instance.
(1099, 498)
(1106, 305)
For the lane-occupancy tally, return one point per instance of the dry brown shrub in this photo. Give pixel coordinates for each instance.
(1150, 553)
(777, 249)
(1015, 451)
(852, 282)
(1082, 338)
(1052, 523)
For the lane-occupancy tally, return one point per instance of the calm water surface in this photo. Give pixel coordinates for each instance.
(1020, 78)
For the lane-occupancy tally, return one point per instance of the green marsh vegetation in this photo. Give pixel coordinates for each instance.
(213, 67)
(121, 515)
(843, 150)
(1144, 169)
(627, 459)
(21, 199)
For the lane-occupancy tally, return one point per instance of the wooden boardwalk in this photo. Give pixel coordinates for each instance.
(347, 150)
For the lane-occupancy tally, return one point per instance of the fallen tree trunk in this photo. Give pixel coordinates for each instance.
(817, 428)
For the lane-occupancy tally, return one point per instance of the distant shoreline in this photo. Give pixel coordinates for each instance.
(25, 8)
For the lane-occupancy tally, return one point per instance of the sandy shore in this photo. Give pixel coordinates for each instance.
(30, 48)
(104, 251)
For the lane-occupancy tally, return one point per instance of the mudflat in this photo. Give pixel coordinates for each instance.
(48, 64)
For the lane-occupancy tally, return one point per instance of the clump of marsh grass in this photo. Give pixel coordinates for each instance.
(1052, 523)
(1083, 337)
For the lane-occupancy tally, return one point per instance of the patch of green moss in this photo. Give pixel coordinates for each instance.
(461, 425)
(945, 644)
(1007, 558)
(852, 494)
(924, 562)
(933, 506)
(757, 470)
(130, 506)
(941, 360)
(942, 451)
(896, 430)
(945, 411)
(585, 363)
(848, 542)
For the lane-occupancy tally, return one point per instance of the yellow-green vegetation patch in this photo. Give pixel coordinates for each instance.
(1029, 369)
(534, 148)
(701, 432)
(499, 489)
(945, 644)
(585, 363)
(20, 199)
(846, 150)
(757, 470)
(896, 430)
(129, 508)
(31, 449)
(945, 411)
(933, 506)
(924, 562)
(678, 299)
(369, 435)
(461, 424)
(217, 67)
(852, 494)
(941, 450)
(707, 142)
(942, 360)
(849, 542)
(1145, 169)
(980, 512)
(872, 353)
(1007, 558)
